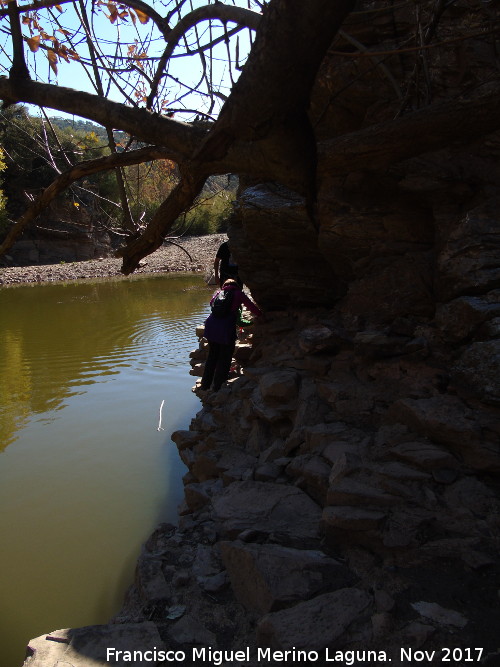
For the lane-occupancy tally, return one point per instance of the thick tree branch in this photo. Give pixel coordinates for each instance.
(181, 138)
(19, 68)
(64, 180)
(151, 239)
(266, 112)
(240, 15)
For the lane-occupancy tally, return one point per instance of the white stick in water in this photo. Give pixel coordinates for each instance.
(159, 423)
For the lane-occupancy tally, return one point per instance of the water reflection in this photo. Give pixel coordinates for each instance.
(54, 344)
(84, 474)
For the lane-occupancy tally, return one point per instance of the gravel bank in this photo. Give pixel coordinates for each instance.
(169, 258)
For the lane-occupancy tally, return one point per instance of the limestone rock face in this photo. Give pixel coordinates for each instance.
(315, 625)
(275, 244)
(283, 511)
(266, 577)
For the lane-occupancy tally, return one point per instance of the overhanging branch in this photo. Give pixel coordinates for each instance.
(151, 239)
(64, 180)
(181, 138)
(266, 113)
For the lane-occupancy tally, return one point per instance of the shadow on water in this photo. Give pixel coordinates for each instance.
(85, 475)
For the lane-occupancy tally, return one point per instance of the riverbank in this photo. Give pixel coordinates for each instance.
(319, 521)
(192, 253)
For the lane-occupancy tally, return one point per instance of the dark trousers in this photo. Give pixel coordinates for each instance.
(217, 365)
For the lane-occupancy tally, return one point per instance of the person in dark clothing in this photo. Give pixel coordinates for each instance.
(224, 265)
(220, 333)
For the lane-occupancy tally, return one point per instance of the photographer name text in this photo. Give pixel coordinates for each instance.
(216, 657)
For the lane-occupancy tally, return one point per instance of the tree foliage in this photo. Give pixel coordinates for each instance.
(37, 150)
(242, 111)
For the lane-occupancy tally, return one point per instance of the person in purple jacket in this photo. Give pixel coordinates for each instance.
(220, 333)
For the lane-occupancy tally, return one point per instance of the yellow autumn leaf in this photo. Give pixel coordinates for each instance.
(52, 56)
(33, 43)
(143, 18)
(113, 13)
(62, 52)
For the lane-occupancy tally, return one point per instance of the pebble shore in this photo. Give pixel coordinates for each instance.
(167, 259)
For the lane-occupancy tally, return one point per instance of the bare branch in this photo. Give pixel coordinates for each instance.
(178, 245)
(143, 7)
(64, 180)
(240, 15)
(43, 4)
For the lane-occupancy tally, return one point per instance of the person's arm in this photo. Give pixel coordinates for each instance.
(216, 270)
(250, 304)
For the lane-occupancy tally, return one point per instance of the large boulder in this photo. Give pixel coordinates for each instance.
(280, 260)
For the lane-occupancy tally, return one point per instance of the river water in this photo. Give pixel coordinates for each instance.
(86, 372)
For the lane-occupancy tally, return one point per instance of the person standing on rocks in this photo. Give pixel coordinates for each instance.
(224, 265)
(220, 332)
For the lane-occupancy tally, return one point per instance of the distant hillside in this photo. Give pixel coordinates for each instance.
(82, 125)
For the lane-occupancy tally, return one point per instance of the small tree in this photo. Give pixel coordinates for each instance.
(37, 150)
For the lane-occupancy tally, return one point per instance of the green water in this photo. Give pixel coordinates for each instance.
(85, 472)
